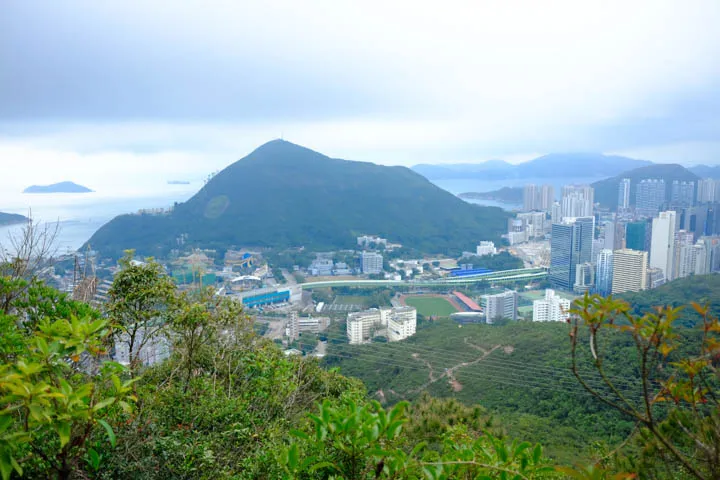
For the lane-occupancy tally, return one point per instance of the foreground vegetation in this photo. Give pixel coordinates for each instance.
(228, 404)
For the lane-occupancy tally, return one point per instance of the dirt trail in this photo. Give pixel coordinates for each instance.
(450, 372)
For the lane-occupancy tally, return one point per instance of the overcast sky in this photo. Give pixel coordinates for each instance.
(99, 91)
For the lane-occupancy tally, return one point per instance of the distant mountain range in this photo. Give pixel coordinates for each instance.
(62, 187)
(606, 191)
(548, 166)
(285, 195)
(705, 171)
(11, 219)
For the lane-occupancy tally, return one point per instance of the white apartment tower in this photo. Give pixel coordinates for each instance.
(402, 323)
(399, 322)
(624, 195)
(501, 305)
(629, 271)
(486, 248)
(553, 308)
(662, 245)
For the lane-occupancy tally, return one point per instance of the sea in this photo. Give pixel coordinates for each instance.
(79, 216)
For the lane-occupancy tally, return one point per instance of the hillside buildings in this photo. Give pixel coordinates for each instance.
(538, 197)
(372, 262)
(629, 271)
(682, 194)
(584, 277)
(577, 201)
(650, 195)
(485, 248)
(500, 306)
(398, 323)
(553, 308)
(662, 245)
(571, 244)
(624, 195)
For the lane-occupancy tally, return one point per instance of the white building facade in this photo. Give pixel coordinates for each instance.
(553, 308)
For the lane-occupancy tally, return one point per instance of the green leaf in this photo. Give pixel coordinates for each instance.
(103, 404)
(63, 431)
(537, 454)
(94, 459)
(110, 433)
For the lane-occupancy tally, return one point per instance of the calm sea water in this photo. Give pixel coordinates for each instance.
(81, 215)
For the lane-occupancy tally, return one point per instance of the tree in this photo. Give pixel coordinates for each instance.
(26, 253)
(139, 301)
(58, 393)
(675, 403)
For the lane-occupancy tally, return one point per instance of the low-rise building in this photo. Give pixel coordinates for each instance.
(397, 322)
(485, 248)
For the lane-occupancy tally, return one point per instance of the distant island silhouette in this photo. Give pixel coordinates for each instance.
(62, 187)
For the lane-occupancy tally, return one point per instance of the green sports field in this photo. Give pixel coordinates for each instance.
(431, 306)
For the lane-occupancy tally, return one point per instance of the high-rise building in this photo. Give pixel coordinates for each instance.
(650, 195)
(695, 220)
(604, 272)
(707, 188)
(553, 308)
(577, 201)
(584, 277)
(556, 213)
(684, 254)
(712, 253)
(629, 271)
(700, 254)
(500, 306)
(534, 223)
(571, 244)
(637, 235)
(682, 194)
(292, 328)
(614, 235)
(624, 195)
(372, 263)
(538, 197)
(662, 245)
(655, 278)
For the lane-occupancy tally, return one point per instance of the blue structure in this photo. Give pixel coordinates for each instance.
(467, 273)
(266, 298)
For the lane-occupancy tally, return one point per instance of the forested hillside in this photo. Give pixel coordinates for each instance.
(285, 195)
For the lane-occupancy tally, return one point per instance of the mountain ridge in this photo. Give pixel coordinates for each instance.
(546, 166)
(606, 191)
(285, 195)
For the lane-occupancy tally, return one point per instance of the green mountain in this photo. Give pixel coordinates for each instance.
(11, 219)
(62, 187)
(606, 191)
(564, 165)
(284, 195)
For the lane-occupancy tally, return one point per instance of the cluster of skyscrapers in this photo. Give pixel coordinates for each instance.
(671, 230)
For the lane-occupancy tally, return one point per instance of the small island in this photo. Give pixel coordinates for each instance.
(11, 219)
(62, 187)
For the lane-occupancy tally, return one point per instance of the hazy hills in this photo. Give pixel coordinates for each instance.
(62, 187)
(11, 219)
(705, 171)
(606, 191)
(548, 166)
(284, 195)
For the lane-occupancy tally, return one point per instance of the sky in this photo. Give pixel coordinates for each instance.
(134, 91)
